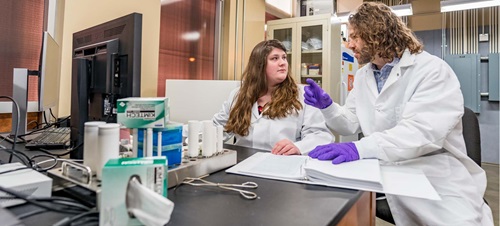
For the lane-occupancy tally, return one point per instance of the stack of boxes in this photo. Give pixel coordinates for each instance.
(152, 113)
(171, 142)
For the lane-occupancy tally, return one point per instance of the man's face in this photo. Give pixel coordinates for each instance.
(357, 45)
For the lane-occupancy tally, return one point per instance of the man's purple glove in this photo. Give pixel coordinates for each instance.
(315, 96)
(338, 152)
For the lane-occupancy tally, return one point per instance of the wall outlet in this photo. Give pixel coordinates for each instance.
(484, 37)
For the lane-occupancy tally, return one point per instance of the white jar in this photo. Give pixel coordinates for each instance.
(108, 145)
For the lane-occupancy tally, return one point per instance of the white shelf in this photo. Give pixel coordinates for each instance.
(312, 51)
(311, 76)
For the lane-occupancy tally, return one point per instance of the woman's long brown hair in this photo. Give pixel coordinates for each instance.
(284, 99)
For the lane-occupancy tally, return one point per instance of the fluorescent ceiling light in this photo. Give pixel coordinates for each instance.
(340, 17)
(191, 36)
(454, 5)
(402, 10)
(399, 10)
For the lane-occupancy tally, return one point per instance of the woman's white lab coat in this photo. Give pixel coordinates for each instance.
(307, 129)
(416, 121)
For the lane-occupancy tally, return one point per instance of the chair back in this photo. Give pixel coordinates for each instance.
(472, 135)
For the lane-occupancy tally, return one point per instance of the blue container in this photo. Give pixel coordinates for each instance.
(173, 152)
(171, 134)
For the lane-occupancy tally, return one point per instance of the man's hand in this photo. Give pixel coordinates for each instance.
(315, 96)
(285, 147)
(338, 152)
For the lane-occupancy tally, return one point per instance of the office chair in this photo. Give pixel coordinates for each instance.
(472, 139)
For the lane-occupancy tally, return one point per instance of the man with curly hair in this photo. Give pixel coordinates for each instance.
(409, 106)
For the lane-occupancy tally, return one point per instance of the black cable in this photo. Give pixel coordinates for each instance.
(13, 170)
(69, 220)
(45, 117)
(30, 214)
(42, 205)
(59, 155)
(26, 161)
(87, 221)
(39, 169)
(17, 126)
(50, 110)
(33, 121)
(45, 127)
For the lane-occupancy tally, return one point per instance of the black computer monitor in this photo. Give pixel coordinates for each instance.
(106, 66)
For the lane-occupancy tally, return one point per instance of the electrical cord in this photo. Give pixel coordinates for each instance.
(21, 156)
(38, 203)
(52, 114)
(48, 125)
(30, 214)
(14, 170)
(62, 154)
(69, 220)
(38, 168)
(17, 126)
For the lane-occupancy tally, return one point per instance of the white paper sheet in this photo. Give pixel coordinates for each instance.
(396, 180)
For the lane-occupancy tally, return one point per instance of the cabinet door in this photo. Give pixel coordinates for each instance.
(314, 45)
(285, 33)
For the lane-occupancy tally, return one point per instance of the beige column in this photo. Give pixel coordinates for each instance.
(243, 28)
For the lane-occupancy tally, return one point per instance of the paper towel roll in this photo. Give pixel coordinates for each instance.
(209, 139)
(90, 144)
(220, 139)
(107, 145)
(193, 138)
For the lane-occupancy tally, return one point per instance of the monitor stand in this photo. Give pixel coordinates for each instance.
(20, 95)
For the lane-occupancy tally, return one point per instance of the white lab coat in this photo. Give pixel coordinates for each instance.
(416, 121)
(307, 129)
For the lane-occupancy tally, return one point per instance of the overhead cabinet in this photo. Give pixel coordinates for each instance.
(313, 47)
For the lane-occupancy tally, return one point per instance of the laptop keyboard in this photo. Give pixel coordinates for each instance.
(51, 138)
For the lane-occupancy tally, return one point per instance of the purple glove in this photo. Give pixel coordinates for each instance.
(315, 96)
(338, 152)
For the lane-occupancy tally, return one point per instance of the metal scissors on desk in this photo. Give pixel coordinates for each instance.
(233, 187)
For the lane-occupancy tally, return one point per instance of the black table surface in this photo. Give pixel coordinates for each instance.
(278, 202)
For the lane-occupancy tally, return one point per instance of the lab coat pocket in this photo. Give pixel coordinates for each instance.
(285, 128)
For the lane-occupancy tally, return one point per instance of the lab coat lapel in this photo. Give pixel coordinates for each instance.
(397, 71)
(255, 113)
(370, 80)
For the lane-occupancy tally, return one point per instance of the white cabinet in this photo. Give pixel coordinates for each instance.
(313, 46)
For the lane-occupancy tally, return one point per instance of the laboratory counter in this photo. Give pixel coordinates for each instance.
(278, 202)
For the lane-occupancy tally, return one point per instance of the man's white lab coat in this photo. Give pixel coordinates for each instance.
(307, 129)
(416, 121)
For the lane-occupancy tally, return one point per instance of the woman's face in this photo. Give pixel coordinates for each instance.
(277, 67)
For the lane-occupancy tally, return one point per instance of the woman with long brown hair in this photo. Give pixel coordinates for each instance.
(267, 111)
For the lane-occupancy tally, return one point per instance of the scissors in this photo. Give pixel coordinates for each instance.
(233, 187)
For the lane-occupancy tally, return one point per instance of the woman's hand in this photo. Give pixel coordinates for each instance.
(285, 147)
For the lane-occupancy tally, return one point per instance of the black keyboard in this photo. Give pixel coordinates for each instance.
(51, 138)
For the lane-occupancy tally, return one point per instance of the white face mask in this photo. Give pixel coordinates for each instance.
(147, 206)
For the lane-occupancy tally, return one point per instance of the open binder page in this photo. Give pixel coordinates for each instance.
(278, 166)
(364, 174)
(401, 180)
